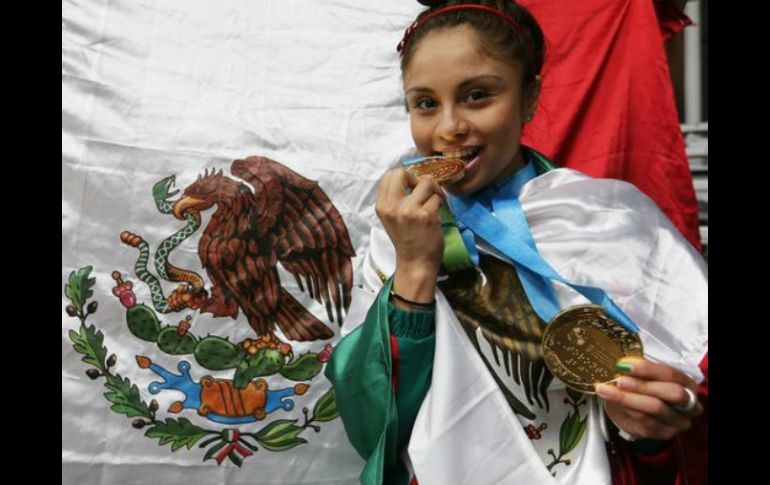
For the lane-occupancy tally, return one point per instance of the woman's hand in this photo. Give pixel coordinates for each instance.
(651, 400)
(413, 225)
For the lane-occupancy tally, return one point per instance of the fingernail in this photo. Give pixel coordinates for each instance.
(624, 367)
(626, 383)
(605, 391)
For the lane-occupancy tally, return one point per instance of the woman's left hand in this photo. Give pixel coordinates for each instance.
(651, 400)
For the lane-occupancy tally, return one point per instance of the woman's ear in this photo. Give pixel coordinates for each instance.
(530, 99)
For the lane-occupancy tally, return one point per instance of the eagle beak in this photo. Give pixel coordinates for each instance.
(185, 204)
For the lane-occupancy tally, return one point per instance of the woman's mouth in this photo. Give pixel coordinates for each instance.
(469, 156)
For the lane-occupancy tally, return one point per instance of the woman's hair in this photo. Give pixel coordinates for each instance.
(520, 41)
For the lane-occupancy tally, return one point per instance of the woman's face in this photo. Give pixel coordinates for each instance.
(463, 102)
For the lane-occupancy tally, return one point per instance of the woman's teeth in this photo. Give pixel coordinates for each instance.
(466, 155)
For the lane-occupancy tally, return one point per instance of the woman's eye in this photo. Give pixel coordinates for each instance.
(477, 95)
(425, 104)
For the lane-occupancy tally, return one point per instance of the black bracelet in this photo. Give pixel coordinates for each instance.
(398, 297)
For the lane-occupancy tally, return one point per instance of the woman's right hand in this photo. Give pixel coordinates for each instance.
(413, 225)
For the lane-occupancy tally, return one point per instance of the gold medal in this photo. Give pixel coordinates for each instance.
(444, 170)
(581, 346)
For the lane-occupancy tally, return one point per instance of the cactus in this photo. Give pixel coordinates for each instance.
(143, 323)
(304, 368)
(216, 353)
(266, 362)
(171, 342)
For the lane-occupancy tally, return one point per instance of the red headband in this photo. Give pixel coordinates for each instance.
(465, 6)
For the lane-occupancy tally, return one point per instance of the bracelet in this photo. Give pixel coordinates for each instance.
(398, 297)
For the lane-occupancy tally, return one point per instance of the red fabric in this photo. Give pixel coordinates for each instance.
(683, 462)
(694, 442)
(394, 360)
(607, 104)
